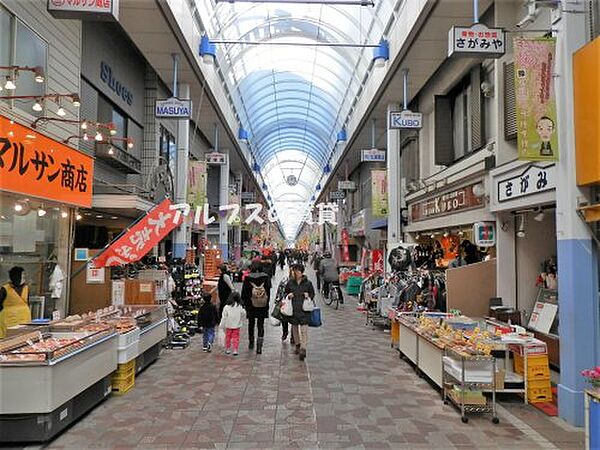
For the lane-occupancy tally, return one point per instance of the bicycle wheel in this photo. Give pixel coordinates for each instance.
(335, 297)
(327, 298)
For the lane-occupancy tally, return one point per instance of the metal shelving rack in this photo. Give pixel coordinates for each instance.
(450, 379)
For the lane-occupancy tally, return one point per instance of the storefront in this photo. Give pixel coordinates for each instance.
(42, 185)
(523, 199)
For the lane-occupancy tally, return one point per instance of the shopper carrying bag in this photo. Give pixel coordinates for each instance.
(256, 292)
(298, 289)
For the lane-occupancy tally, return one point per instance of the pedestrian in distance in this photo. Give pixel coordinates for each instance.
(208, 319)
(224, 287)
(298, 289)
(232, 320)
(256, 294)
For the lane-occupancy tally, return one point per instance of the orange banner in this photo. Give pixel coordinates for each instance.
(33, 164)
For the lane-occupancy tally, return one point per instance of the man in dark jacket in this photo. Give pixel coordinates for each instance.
(256, 292)
(298, 289)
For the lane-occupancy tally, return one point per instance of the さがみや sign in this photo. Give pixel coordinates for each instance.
(476, 40)
(33, 164)
(173, 108)
(459, 200)
(84, 9)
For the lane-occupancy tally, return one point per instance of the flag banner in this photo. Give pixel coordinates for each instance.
(138, 240)
(536, 101)
(379, 194)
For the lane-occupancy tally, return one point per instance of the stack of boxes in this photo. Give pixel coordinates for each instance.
(539, 388)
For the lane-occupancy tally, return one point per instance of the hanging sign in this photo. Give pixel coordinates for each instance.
(84, 9)
(372, 155)
(476, 40)
(248, 196)
(196, 188)
(462, 199)
(33, 164)
(347, 185)
(173, 108)
(537, 139)
(345, 239)
(141, 237)
(405, 120)
(337, 195)
(379, 194)
(485, 234)
(94, 275)
(533, 180)
(216, 158)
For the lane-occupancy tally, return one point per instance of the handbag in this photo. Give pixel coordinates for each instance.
(276, 312)
(274, 321)
(315, 317)
(286, 307)
(308, 305)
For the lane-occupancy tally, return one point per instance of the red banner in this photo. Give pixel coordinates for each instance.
(345, 242)
(140, 238)
(377, 260)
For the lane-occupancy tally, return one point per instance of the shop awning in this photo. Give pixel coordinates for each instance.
(127, 205)
(380, 224)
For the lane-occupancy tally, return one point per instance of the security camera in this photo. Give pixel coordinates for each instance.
(487, 89)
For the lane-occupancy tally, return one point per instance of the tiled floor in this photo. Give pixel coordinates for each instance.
(351, 392)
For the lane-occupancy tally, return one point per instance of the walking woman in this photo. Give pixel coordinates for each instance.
(299, 288)
(224, 288)
(256, 292)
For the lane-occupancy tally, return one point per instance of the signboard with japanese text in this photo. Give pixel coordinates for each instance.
(346, 185)
(405, 120)
(372, 155)
(537, 137)
(485, 234)
(33, 164)
(248, 196)
(337, 195)
(379, 194)
(94, 275)
(534, 179)
(141, 237)
(359, 221)
(216, 158)
(173, 108)
(345, 250)
(476, 40)
(462, 199)
(84, 9)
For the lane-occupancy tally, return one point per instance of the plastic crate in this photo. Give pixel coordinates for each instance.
(125, 369)
(125, 340)
(537, 348)
(125, 355)
(123, 383)
(539, 395)
(538, 384)
(537, 367)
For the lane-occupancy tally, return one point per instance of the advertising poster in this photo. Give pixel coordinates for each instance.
(196, 189)
(379, 193)
(535, 99)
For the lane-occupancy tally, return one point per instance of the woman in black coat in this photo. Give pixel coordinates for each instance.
(299, 288)
(256, 315)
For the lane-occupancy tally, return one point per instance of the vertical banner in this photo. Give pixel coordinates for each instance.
(535, 98)
(345, 244)
(196, 189)
(379, 194)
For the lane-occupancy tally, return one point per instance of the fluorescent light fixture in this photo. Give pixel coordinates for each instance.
(39, 75)
(99, 136)
(37, 106)
(61, 112)
(10, 84)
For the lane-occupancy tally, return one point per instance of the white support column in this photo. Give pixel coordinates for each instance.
(238, 229)
(394, 177)
(224, 200)
(181, 237)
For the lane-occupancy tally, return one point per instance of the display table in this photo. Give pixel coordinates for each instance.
(592, 419)
(37, 401)
(150, 344)
(425, 354)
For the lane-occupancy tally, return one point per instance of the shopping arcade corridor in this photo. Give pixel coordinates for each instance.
(351, 392)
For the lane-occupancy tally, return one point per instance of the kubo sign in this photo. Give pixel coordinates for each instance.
(173, 108)
(405, 120)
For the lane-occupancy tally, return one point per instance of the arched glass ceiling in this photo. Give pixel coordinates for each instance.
(293, 100)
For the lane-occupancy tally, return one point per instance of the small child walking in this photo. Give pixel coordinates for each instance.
(233, 317)
(208, 319)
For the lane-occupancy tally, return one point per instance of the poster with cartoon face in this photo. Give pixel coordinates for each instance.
(536, 103)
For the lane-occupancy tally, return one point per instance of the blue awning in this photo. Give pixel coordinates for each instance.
(380, 224)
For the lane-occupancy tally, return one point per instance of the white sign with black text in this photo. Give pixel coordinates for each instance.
(173, 108)
(337, 195)
(372, 155)
(405, 120)
(534, 179)
(346, 185)
(248, 196)
(216, 158)
(476, 40)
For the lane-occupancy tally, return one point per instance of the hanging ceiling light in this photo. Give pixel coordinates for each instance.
(41, 212)
(86, 137)
(84, 125)
(381, 53)
(61, 111)
(78, 216)
(243, 135)
(208, 51)
(37, 105)
(99, 136)
(64, 214)
(539, 217)
(129, 143)
(10, 84)
(76, 100)
(342, 136)
(39, 74)
(111, 150)
(521, 225)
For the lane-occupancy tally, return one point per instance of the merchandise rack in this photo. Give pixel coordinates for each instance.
(452, 379)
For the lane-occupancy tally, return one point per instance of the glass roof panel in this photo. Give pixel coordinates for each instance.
(293, 97)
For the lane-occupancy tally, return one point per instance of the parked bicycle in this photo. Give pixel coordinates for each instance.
(332, 293)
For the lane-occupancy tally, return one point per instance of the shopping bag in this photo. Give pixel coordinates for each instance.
(276, 312)
(308, 305)
(315, 317)
(221, 336)
(274, 321)
(286, 307)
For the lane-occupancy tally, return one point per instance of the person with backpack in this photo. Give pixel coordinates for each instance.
(256, 292)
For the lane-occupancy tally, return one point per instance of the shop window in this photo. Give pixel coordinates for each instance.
(459, 120)
(21, 46)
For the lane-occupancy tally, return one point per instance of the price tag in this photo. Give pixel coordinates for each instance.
(55, 315)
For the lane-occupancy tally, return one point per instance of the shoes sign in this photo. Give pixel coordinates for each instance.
(173, 108)
(405, 120)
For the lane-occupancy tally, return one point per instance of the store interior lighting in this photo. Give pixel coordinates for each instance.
(61, 111)
(37, 106)
(41, 212)
(111, 151)
(521, 225)
(10, 84)
(14, 71)
(64, 214)
(539, 217)
(78, 216)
